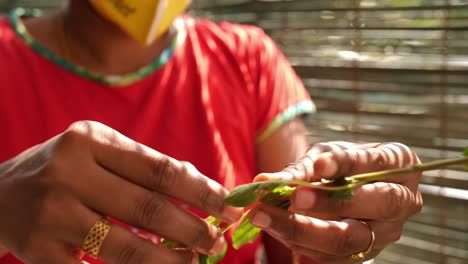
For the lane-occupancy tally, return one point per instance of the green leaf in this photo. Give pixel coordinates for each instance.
(247, 194)
(345, 193)
(213, 220)
(284, 190)
(172, 244)
(279, 197)
(244, 234)
(204, 259)
(342, 194)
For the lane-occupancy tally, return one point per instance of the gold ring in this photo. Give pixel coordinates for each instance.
(95, 237)
(362, 255)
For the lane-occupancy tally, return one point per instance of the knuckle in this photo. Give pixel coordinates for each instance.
(149, 210)
(380, 159)
(348, 162)
(83, 132)
(394, 203)
(48, 210)
(332, 146)
(321, 147)
(75, 133)
(162, 174)
(85, 126)
(201, 236)
(209, 199)
(402, 153)
(131, 254)
(69, 141)
(418, 204)
(394, 236)
(344, 244)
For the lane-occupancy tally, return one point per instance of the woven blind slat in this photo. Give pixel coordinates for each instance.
(384, 71)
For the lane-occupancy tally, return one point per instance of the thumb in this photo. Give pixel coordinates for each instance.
(302, 169)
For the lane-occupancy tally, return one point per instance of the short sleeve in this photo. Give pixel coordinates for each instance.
(280, 94)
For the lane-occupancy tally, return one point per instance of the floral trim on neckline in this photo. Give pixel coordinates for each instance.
(110, 80)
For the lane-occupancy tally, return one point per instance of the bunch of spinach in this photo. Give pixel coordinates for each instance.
(277, 194)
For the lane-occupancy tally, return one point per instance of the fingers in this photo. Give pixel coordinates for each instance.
(310, 256)
(338, 159)
(340, 163)
(149, 210)
(329, 237)
(121, 246)
(72, 227)
(389, 202)
(303, 169)
(155, 171)
(338, 239)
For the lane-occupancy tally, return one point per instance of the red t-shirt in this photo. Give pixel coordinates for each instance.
(211, 97)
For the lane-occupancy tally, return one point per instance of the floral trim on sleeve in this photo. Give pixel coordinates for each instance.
(304, 107)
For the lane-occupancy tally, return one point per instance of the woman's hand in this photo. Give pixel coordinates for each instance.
(52, 194)
(329, 230)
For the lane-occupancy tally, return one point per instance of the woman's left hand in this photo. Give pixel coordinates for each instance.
(330, 230)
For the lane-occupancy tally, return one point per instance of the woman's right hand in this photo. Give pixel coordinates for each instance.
(52, 194)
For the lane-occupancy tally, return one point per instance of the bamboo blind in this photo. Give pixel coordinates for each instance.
(383, 71)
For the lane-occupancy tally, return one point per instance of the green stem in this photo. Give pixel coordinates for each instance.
(244, 215)
(373, 176)
(361, 179)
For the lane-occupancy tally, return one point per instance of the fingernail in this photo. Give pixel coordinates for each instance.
(330, 166)
(263, 177)
(218, 246)
(232, 214)
(305, 199)
(261, 220)
(282, 175)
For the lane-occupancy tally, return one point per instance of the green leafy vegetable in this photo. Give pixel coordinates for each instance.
(345, 193)
(213, 220)
(244, 234)
(247, 194)
(204, 259)
(278, 194)
(279, 197)
(172, 244)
